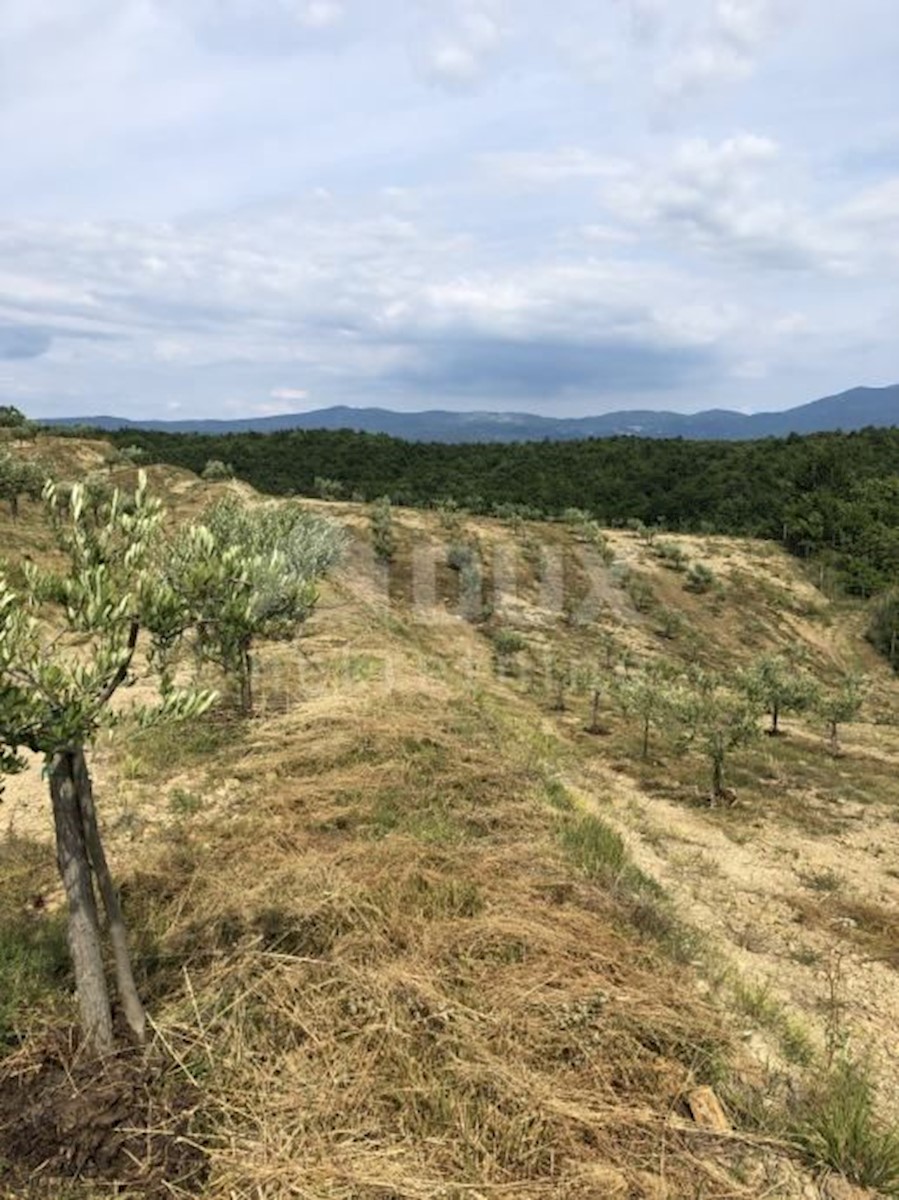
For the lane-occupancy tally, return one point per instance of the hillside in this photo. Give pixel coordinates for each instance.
(855, 409)
(413, 932)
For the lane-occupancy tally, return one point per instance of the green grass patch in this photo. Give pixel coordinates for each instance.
(34, 957)
(836, 1126)
(598, 851)
(756, 1002)
(165, 749)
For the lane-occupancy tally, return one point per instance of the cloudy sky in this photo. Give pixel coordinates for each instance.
(234, 207)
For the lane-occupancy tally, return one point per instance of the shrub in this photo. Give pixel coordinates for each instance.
(508, 642)
(640, 591)
(328, 489)
(382, 535)
(671, 555)
(217, 471)
(461, 555)
(883, 628)
(700, 579)
(670, 623)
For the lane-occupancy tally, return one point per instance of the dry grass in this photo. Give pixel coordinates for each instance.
(872, 927)
(379, 933)
(427, 1006)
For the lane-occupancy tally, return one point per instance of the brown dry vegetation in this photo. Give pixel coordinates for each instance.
(392, 945)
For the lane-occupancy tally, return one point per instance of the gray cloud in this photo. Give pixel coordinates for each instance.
(502, 369)
(23, 342)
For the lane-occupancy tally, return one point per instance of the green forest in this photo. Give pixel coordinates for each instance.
(834, 496)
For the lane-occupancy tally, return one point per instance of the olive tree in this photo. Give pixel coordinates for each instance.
(715, 722)
(244, 573)
(19, 478)
(839, 705)
(382, 531)
(68, 641)
(777, 686)
(648, 696)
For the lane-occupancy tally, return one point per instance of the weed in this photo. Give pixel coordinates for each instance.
(835, 1125)
(822, 881)
(595, 848)
(805, 956)
(183, 803)
(558, 796)
(757, 1003)
(166, 749)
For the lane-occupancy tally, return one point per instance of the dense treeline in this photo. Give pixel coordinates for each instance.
(832, 495)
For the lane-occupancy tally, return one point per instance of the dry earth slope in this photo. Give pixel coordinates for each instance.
(386, 929)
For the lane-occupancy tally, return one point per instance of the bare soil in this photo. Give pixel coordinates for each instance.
(124, 1126)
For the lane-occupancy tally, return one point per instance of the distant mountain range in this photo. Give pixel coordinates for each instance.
(854, 409)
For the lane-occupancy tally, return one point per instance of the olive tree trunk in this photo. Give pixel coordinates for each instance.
(594, 726)
(84, 926)
(245, 671)
(717, 775)
(131, 1002)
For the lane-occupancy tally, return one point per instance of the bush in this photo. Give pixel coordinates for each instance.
(640, 591)
(508, 642)
(700, 579)
(461, 555)
(382, 535)
(670, 623)
(328, 489)
(883, 628)
(217, 471)
(671, 555)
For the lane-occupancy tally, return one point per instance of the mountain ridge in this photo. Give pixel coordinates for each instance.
(856, 408)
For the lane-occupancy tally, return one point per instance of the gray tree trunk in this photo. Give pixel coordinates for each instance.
(127, 989)
(84, 926)
(717, 776)
(246, 680)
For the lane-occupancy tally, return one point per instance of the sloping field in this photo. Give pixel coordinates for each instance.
(390, 936)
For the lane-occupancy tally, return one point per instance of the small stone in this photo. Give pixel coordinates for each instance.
(706, 1110)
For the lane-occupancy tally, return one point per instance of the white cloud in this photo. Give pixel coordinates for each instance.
(289, 394)
(461, 43)
(729, 198)
(321, 14)
(208, 198)
(725, 46)
(554, 166)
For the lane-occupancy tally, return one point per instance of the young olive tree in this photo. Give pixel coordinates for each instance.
(647, 695)
(19, 478)
(840, 705)
(777, 686)
(716, 722)
(58, 675)
(382, 532)
(246, 573)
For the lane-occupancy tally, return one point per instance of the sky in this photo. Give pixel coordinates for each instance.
(222, 208)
